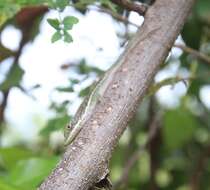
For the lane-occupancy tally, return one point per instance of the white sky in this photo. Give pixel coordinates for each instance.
(41, 61)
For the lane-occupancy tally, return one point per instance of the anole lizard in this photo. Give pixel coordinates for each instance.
(73, 129)
(86, 108)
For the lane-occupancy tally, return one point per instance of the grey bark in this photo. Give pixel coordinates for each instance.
(86, 160)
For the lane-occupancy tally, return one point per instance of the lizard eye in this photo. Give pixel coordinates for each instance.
(68, 126)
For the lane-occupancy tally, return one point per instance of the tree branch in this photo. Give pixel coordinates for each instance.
(85, 161)
(131, 6)
(115, 16)
(195, 53)
(185, 48)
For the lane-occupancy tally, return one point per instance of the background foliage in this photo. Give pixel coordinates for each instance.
(176, 156)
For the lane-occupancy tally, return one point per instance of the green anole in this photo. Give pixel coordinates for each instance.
(87, 106)
(72, 130)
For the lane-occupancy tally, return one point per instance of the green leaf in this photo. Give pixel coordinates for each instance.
(83, 67)
(55, 124)
(192, 32)
(10, 156)
(65, 89)
(54, 23)
(6, 186)
(62, 4)
(30, 173)
(60, 108)
(67, 37)
(84, 92)
(74, 81)
(179, 127)
(69, 21)
(14, 77)
(56, 36)
(202, 8)
(109, 4)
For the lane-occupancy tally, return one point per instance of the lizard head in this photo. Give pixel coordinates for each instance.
(67, 130)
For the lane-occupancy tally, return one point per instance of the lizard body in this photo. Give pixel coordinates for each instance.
(73, 129)
(87, 107)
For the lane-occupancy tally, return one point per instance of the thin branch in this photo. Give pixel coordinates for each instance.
(185, 48)
(3, 105)
(115, 16)
(197, 54)
(130, 6)
(2, 109)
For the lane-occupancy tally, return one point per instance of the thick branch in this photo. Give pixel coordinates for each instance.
(86, 160)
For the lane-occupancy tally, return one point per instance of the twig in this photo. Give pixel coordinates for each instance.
(116, 16)
(185, 48)
(197, 54)
(26, 92)
(2, 109)
(130, 6)
(125, 20)
(3, 105)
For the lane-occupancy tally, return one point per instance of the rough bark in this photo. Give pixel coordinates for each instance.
(86, 160)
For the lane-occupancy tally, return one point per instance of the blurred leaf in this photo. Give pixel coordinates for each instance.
(81, 5)
(62, 4)
(192, 32)
(83, 67)
(202, 135)
(85, 91)
(5, 53)
(65, 89)
(109, 4)
(30, 173)
(163, 178)
(7, 186)
(69, 21)
(176, 162)
(67, 37)
(202, 7)
(74, 81)
(144, 167)
(55, 124)
(60, 108)
(179, 127)
(9, 8)
(13, 78)
(195, 87)
(202, 78)
(56, 36)
(10, 156)
(54, 23)
(7, 11)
